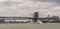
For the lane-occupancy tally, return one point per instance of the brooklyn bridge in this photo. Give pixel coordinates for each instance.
(34, 19)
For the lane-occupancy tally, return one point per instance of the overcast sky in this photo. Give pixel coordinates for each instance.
(28, 7)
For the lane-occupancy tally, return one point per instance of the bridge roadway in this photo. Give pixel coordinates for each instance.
(18, 18)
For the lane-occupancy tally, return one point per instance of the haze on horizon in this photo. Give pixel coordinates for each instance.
(28, 7)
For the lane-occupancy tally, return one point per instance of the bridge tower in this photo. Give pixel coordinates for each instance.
(35, 17)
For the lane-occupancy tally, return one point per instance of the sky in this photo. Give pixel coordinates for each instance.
(26, 8)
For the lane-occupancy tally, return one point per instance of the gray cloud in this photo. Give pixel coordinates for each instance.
(40, 0)
(26, 8)
(57, 1)
(47, 0)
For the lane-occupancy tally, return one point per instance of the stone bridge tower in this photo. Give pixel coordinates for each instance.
(35, 17)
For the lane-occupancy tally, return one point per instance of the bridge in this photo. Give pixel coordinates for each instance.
(35, 18)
